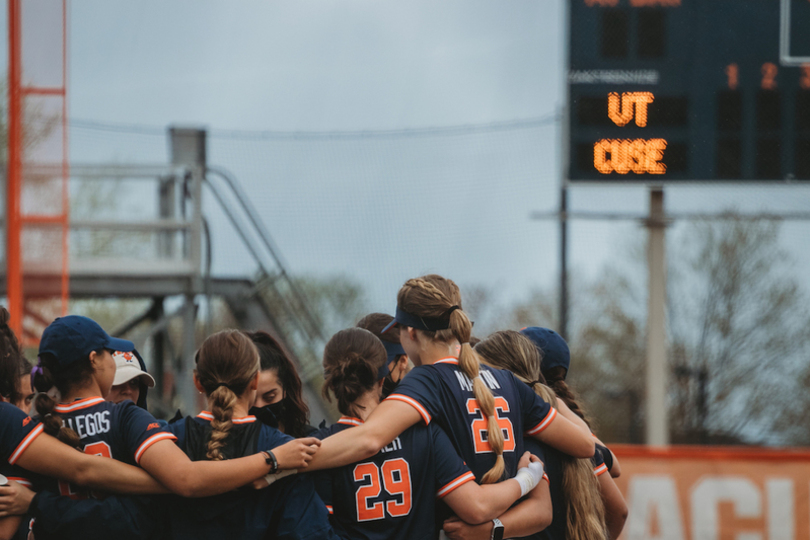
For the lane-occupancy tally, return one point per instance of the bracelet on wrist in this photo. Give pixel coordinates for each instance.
(271, 460)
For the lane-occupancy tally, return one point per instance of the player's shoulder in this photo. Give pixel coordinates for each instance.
(14, 423)
(9, 414)
(327, 431)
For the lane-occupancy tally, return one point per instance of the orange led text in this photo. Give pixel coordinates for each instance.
(625, 155)
(622, 109)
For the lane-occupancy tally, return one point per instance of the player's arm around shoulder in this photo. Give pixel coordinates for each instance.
(388, 420)
(529, 516)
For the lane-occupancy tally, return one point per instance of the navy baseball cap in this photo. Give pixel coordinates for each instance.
(74, 337)
(392, 350)
(553, 348)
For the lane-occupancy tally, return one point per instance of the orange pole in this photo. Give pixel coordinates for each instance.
(14, 282)
(65, 171)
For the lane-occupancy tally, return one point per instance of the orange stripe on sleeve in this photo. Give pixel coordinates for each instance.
(600, 470)
(552, 414)
(460, 481)
(413, 403)
(150, 441)
(15, 455)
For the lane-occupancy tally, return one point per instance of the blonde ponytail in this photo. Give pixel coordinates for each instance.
(222, 402)
(434, 296)
(226, 364)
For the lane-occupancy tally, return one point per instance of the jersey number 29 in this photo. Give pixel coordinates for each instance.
(396, 479)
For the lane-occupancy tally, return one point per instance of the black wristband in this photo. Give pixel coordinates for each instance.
(271, 460)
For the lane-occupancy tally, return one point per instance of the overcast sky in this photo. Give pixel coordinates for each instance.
(377, 209)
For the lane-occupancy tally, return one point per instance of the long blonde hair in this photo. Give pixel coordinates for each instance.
(585, 511)
(226, 364)
(434, 296)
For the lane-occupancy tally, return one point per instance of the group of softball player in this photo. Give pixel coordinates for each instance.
(471, 442)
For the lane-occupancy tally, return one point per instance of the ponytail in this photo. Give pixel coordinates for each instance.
(468, 361)
(435, 296)
(556, 380)
(226, 364)
(43, 381)
(223, 400)
(351, 361)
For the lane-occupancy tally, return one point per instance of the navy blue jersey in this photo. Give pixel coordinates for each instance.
(269, 437)
(393, 494)
(553, 466)
(443, 392)
(289, 509)
(602, 460)
(17, 431)
(121, 431)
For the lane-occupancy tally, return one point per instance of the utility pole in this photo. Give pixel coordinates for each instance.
(656, 402)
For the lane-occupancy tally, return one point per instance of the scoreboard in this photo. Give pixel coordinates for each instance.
(677, 90)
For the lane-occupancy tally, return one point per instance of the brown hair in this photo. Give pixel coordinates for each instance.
(50, 373)
(13, 364)
(226, 364)
(295, 416)
(433, 296)
(585, 511)
(375, 322)
(351, 361)
(555, 378)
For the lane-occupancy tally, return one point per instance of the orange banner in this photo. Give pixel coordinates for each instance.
(715, 493)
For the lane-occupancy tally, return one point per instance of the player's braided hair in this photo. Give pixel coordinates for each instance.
(351, 360)
(556, 380)
(433, 296)
(49, 374)
(226, 364)
(585, 511)
(13, 364)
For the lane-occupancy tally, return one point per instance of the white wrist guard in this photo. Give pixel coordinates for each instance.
(270, 478)
(529, 477)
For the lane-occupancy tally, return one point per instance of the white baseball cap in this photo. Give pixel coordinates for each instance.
(127, 368)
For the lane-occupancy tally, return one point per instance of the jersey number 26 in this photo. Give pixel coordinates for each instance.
(479, 425)
(396, 479)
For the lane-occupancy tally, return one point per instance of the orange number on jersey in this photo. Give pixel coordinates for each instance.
(479, 426)
(94, 449)
(396, 478)
(364, 512)
(769, 71)
(98, 449)
(397, 482)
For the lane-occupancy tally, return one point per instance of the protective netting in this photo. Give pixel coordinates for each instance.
(365, 211)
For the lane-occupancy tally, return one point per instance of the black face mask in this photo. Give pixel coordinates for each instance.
(277, 409)
(388, 386)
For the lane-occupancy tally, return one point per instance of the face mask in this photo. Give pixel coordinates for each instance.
(388, 386)
(277, 408)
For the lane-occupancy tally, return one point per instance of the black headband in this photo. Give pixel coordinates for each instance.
(430, 324)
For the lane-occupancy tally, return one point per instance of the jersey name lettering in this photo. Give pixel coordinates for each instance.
(91, 424)
(396, 444)
(486, 376)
